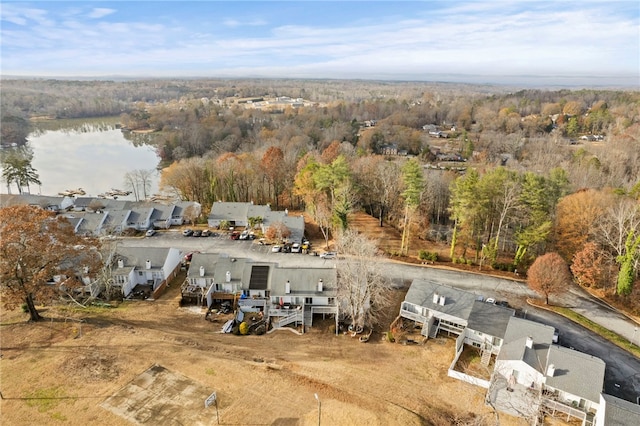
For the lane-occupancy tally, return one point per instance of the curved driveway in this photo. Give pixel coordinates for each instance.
(622, 375)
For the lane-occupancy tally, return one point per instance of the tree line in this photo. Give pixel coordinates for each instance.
(502, 206)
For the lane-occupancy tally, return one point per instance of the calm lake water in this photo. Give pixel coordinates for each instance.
(92, 157)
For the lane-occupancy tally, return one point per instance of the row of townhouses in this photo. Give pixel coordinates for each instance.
(530, 373)
(284, 295)
(97, 216)
(104, 216)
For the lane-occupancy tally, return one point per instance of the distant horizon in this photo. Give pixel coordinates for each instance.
(531, 82)
(514, 43)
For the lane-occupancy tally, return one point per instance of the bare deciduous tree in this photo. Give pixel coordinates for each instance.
(363, 290)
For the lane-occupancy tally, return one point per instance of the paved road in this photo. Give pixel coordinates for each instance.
(622, 376)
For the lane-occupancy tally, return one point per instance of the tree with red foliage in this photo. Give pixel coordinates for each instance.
(549, 275)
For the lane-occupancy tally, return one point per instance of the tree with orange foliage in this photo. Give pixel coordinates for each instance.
(577, 215)
(331, 152)
(277, 231)
(272, 164)
(40, 256)
(549, 275)
(590, 267)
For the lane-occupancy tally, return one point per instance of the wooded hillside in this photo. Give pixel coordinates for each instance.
(505, 175)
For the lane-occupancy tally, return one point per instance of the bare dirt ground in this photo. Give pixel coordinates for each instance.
(61, 371)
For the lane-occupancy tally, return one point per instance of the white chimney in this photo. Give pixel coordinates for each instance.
(228, 276)
(529, 342)
(202, 271)
(287, 287)
(320, 283)
(148, 264)
(442, 300)
(436, 298)
(120, 263)
(551, 370)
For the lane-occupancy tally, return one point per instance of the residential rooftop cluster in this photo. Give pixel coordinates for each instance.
(530, 374)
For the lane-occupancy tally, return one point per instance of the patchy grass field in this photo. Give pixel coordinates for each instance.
(78, 364)
(63, 369)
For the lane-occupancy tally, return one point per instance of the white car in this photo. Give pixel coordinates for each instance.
(296, 248)
(328, 255)
(556, 336)
(151, 233)
(276, 249)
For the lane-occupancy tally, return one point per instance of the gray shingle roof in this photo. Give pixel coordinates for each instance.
(576, 372)
(489, 318)
(206, 260)
(458, 303)
(229, 211)
(137, 256)
(304, 281)
(619, 412)
(515, 337)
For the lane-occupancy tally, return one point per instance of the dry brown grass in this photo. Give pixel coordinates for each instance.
(60, 370)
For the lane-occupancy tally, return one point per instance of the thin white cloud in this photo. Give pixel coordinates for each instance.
(503, 38)
(234, 23)
(100, 12)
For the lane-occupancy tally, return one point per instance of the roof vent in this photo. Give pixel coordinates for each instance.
(442, 300)
(202, 271)
(320, 283)
(287, 287)
(228, 276)
(436, 298)
(529, 342)
(148, 264)
(120, 263)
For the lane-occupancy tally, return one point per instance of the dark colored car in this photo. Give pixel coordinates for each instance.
(197, 233)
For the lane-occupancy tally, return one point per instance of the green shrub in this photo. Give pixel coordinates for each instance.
(427, 255)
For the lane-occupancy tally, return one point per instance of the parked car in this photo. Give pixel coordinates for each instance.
(491, 300)
(296, 248)
(206, 233)
(276, 249)
(151, 233)
(197, 233)
(188, 256)
(329, 255)
(235, 235)
(187, 232)
(556, 336)
(244, 235)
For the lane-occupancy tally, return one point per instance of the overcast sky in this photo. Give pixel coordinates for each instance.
(585, 42)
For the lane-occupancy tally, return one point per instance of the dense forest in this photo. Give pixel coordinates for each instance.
(499, 174)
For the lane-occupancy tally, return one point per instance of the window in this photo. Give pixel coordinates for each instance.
(308, 301)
